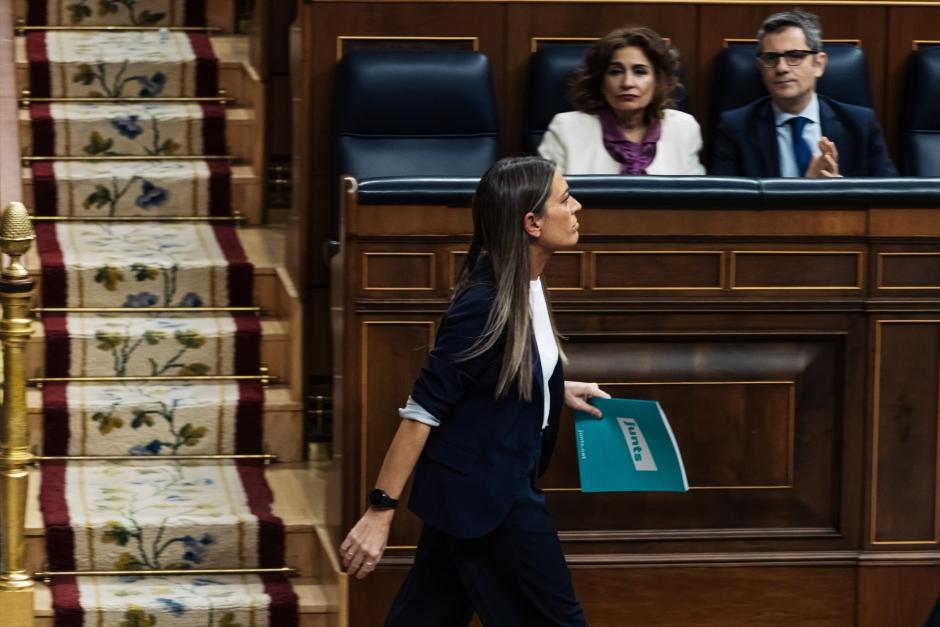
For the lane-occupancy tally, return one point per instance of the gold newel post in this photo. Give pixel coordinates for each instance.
(16, 289)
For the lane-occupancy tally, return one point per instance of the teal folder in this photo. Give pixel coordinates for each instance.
(630, 449)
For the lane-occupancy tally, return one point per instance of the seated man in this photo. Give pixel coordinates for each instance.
(794, 131)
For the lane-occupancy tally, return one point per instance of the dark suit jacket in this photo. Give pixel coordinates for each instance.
(476, 462)
(745, 142)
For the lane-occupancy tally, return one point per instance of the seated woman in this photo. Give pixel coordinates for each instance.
(623, 124)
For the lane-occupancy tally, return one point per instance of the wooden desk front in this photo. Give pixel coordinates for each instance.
(796, 351)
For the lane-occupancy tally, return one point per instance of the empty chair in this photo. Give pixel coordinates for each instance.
(414, 113)
(546, 94)
(920, 135)
(737, 79)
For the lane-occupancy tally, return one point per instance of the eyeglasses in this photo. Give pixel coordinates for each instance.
(793, 57)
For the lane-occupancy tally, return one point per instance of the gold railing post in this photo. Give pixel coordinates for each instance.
(16, 288)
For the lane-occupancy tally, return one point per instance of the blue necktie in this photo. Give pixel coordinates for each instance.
(801, 149)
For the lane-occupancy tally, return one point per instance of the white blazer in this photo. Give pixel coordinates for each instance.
(575, 142)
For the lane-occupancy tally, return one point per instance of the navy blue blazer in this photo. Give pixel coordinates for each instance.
(476, 462)
(745, 142)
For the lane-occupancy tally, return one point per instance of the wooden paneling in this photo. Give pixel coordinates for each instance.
(904, 447)
(897, 595)
(796, 270)
(915, 270)
(567, 271)
(393, 352)
(657, 270)
(743, 442)
(669, 597)
(739, 410)
(717, 597)
(808, 418)
(398, 271)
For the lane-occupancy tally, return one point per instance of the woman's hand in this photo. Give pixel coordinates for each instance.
(363, 547)
(577, 395)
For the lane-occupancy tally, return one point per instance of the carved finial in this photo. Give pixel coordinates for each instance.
(16, 236)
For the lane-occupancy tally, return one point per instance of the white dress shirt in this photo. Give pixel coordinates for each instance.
(548, 357)
(812, 133)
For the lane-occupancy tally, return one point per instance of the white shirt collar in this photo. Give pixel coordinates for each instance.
(811, 112)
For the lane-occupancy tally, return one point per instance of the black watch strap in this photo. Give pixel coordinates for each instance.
(380, 500)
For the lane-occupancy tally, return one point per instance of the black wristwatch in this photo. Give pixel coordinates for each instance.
(380, 500)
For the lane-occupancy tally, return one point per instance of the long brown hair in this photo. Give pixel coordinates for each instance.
(586, 83)
(510, 189)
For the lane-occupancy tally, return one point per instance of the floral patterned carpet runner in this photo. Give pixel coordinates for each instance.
(117, 12)
(147, 418)
(129, 129)
(131, 64)
(155, 189)
(164, 513)
(104, 264)
(223, 601)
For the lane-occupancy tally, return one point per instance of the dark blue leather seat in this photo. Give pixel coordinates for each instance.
(414, 113)
(546, 93)
(920, 137)
(737, 80)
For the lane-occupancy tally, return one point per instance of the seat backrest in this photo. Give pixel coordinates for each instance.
(550, 70)
(920, 135)
(414, 113)
(737, 80)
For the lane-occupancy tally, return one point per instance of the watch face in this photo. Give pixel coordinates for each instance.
(380, 500)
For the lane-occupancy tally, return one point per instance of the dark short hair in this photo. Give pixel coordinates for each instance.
(585, 89)
(805, 21)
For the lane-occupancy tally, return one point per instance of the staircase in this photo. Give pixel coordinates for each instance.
(167, 362)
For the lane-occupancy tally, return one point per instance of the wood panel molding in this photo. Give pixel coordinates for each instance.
(905, 433)
(797, 270)
(908, 271)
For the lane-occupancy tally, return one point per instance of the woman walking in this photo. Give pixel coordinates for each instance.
(480, 426)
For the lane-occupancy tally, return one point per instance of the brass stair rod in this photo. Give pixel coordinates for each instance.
(236, 217)
(46, 576)
(38, 311)
(16, 288)
(222, 97)
(205, 377)
(30, 159)
(22, 28)
(265, 457)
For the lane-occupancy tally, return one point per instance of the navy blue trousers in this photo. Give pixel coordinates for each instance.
(515, 576)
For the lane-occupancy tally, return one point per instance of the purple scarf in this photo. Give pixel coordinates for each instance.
(633, 157)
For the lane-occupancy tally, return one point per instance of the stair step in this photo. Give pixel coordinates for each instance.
(246, 192)
(298, 501)
(316, 603)
(275, 349)
(261, 246)
(240, 135)
(283, 423)
(235, 75)
(219, 13)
